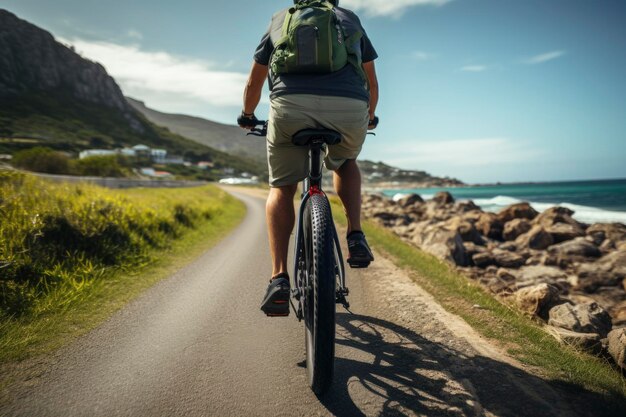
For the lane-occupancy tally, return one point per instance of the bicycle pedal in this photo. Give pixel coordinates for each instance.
(277, 315)
(356, 264)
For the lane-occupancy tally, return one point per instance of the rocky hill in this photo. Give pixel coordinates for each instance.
(31, 61)
(51, 96)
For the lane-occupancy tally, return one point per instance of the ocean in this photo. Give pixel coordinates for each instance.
(592, 201)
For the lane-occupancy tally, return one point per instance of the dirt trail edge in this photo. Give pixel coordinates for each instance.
(197, 345)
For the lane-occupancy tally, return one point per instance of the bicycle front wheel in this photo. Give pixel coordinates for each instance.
(319, 300)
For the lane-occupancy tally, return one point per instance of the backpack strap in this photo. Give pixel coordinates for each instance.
(352, 56)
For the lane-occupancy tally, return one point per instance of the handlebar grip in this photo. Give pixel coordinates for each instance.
(247, 121)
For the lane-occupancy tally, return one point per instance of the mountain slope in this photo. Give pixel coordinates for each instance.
(226, 138)
(51, 96)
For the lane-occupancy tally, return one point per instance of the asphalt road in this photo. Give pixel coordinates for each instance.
(198, 345)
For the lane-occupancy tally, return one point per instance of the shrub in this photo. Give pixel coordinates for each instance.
(41, 159)
(100, 166)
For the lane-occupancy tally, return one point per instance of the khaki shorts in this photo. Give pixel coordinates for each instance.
(288, 163)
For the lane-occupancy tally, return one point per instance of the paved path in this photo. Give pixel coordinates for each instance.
(197, 345)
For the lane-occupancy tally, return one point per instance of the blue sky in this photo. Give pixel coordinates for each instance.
(482, 90)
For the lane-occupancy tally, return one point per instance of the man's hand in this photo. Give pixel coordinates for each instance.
(247, 120)
(372, 123)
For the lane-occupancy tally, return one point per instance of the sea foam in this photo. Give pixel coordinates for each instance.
(581, 213)
(584, 214)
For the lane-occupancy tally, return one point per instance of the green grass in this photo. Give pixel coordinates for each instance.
(523, 337)
(71, 255)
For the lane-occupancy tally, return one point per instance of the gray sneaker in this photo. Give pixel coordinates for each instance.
(276, 301)
(360, 253)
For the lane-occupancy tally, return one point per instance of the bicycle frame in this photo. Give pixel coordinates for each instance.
(313, 185)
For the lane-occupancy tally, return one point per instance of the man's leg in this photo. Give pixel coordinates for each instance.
(348, 186)
(347, 181)
(280, 221)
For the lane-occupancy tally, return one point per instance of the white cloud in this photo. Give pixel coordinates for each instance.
(164, 78)
(394, 8)
(422, 56)
(474, 68)
(548, 56)
(134, 34)
(449, 155)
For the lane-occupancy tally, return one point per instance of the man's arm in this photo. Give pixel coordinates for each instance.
(254, 87)
(370, 72)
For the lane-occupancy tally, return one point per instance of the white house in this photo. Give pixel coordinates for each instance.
(96, 152)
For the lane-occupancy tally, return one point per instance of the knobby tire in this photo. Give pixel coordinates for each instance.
(319, 305)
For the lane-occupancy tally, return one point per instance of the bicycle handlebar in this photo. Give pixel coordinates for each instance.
(255, 131)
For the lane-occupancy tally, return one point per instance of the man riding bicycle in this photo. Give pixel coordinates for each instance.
(342, 99)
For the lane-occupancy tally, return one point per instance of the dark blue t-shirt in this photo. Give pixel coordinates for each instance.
(346, 82)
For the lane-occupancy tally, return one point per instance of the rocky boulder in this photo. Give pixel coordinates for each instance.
(536, 274)
(465, 206)
(579, 247)
(537, 299)
(490, 226)
(443, 197)
(517, 211)
(508, 259)
(555, 215)
(617, 346)
(618, 313)
(409, 200)
(442, 243)
(483, 259)
(587, 341)
(610, 270)
(615, 232)
(535, 238)
(466, 229)
(515, 228)
(581, 318)
(562, 232)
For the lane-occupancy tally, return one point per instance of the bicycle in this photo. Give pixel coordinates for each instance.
(319, 279)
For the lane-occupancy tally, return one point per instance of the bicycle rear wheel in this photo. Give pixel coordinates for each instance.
(319, 300)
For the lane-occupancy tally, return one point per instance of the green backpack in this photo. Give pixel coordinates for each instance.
(313, 41)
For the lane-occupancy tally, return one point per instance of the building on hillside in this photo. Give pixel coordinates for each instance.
(151, 172)
(205, 165)
(96, 152)
(158, 156)
(127, 152)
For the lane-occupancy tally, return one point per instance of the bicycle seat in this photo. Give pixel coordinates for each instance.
(306, 136)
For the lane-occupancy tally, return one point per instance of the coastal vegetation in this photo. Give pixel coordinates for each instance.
(62, 124)
(70, 255)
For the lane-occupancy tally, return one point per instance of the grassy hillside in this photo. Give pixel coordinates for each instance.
(226, 138)
(59, 122)
(62, 245)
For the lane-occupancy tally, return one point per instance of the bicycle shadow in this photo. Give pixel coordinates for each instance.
(406, 374)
